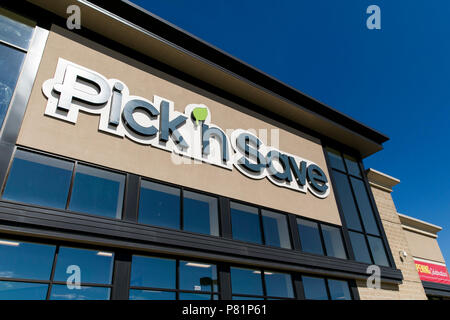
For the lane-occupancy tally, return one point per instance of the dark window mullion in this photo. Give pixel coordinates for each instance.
(327, 288)
(261, 226)
(293, 226)
(75, 164)
(181, 208)
(324, 249)
(263, 279)
(177, 279)
(52, 275)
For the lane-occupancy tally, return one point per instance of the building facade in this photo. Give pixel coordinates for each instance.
(138, 162)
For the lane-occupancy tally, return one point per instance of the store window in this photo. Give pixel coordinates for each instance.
(321, 239)
(46, 181)
(357, 209)
(247, 284)
(200, 213)
(15, 36)
(97, 191)
(29, 272)
(172, 207)
(251, 224)
(38, 180)
(155, 278)
(316, 288)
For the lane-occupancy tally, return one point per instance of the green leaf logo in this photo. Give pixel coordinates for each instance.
(200, 114)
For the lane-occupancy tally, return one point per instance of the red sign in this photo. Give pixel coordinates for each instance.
(433, 272)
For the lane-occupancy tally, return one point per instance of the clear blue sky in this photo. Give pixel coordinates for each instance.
(396, 80)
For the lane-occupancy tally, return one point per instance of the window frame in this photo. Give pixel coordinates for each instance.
(72, 179)
(345, 230)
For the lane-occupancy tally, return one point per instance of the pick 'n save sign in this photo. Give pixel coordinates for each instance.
(433, 272)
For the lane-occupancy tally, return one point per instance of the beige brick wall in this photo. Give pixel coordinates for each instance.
(411, 288)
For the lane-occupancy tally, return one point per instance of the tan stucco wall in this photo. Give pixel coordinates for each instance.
(411, 287)
(83, 141)
(423, 246)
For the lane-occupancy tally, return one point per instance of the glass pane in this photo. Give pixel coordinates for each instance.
(346, 198)
(10, 65)
(339, 290)
(195, 296)
(98, 192)
(198, 276)
(245, 298)
(333, 242)
(364, 206)
(352, 165)
(245, 223)
(278, 284)
(151, 295)
(159, 205)
(310, 236)
(315, 288)
(246, 281)
(39, 180)
(62, 292)
(335, 159)
(359, 247)
(275, 229)
(22, 291)
(15, 29)
(200, 213)
(378, 252)
(94, 266)
(24, 260)
(153, 272)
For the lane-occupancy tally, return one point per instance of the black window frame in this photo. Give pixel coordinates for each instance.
(72, 179)
(343, 150)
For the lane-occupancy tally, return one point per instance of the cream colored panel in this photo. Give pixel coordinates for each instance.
(424, 247)
(83, 141)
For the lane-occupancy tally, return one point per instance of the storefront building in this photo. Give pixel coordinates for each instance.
(138, 162)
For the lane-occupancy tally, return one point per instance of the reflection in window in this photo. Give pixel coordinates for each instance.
(10, 290)
(364, 206)
(250, 283)
(339, 290)
(159, 205)
(310, 236)
(378, 252)
(352, 165)
(200, 213)
(245, 223)
(198, 276)
(18, 257)
(39, 180)
(98, 192)
(315, 288)
(151, 295)
(15, 29)
(153, 272)
(62, 292)
(156, 279)
(275, 227)
(346, 199)
(333, 242)
(335, 159)
(95, 266)
(359, 246)
(246, 281)
(278, 284)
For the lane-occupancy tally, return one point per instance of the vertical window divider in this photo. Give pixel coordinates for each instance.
(299, 292)
(75, 164)
(263, 279)
(261, 226)
(322, 240)
(131, 198)
(52, 274)
(224, 279)
(181, 208)
(225, 218)
(328, 288)
(177, 279)
(293, 228)
(121, 276)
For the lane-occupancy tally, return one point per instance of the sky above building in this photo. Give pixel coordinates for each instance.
(395, 79)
